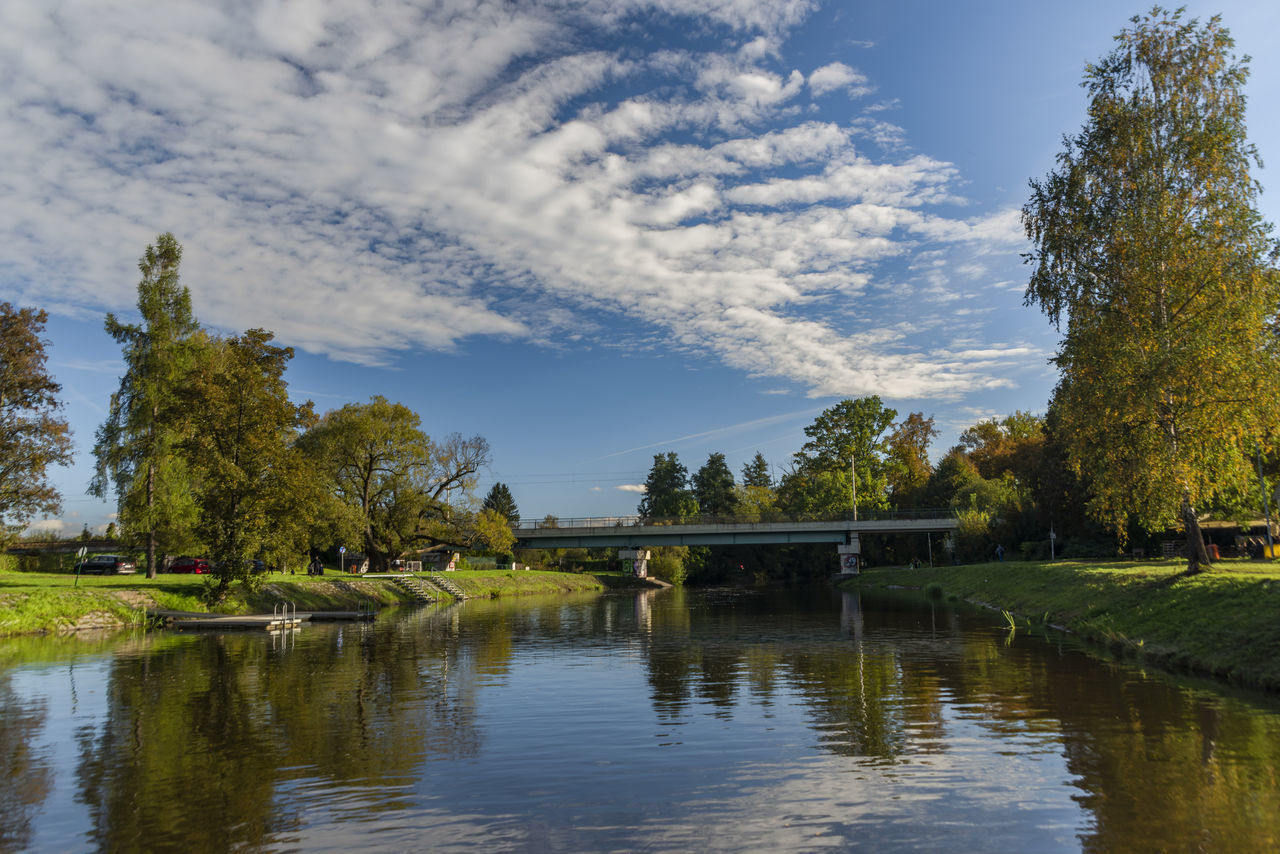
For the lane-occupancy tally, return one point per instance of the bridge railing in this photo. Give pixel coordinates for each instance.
(634, 521)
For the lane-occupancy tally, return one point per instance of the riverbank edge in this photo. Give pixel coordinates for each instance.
(1224, 623)
(68, 611)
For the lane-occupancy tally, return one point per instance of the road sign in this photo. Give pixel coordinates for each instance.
(342, 549)
(83, 551)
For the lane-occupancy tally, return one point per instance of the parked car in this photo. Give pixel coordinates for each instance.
(196, 565)
(253, 566)
(106, 565)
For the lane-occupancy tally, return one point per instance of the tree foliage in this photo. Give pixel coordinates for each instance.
(500, 501)
(908, 453)
(713, 487)
(241, 431)
(849, 435)
(32, 437)
(395, 484)
(137, 447)
(666, 490)
(1149, 249)
(756, 472)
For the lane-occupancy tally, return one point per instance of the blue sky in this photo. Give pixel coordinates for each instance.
(589, 231)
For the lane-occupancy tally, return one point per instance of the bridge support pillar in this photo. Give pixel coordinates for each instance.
(850, 556)
(635, 562)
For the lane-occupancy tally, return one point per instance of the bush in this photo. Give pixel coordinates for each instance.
(668, 564)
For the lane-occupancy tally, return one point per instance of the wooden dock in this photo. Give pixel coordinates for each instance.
(286, 618)
(222, 622)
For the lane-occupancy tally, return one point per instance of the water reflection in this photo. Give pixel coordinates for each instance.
(719, 719)
(26, 777)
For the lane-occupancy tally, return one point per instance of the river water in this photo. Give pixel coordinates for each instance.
(724, 720)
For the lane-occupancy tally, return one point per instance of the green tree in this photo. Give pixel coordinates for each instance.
(137, 447)
(713, 487)
(395, 483)
(501, 502)
(846, 436)
(756, 472)
(666, 490)
(32, 437)
(241, 433)
(1149, 247)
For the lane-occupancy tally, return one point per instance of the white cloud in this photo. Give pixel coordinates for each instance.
(836, 76)
(631, 487)
(367, 180)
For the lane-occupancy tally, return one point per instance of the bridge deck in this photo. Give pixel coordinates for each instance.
(719, 533)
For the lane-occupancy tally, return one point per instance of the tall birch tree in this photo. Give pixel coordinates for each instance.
(1152, 259)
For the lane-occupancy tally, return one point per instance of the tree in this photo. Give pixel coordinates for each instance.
(32, 438)
(756, 472)
(666, 490)
(908, 451)
(1149, 247)
(240, 435)
(394, 482)
(713, 487)
(849, 434)
(137, 447)
(501, 502)
(1014, 444)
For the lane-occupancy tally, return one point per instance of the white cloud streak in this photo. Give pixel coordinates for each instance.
(367, 180)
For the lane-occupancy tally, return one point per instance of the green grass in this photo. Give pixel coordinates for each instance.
(44, 602)
(1225, 622)
(495, 583)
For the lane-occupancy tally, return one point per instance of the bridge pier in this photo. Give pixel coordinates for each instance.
(635, 562)
(850, 554)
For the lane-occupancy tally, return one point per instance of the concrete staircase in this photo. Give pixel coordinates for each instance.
(444, 584)
(416, 588)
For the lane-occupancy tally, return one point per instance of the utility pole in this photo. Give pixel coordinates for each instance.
(853, 484)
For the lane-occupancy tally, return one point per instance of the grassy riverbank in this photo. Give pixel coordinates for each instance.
(1225, 622)
(45, 602)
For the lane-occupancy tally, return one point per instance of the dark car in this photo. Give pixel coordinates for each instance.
(252, 565)
(196, 565)
(106, 565)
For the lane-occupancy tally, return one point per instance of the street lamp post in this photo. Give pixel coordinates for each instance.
(853, 484)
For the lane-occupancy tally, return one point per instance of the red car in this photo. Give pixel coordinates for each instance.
(197, 565)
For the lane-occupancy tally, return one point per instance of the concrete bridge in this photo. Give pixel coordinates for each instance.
(633, 534)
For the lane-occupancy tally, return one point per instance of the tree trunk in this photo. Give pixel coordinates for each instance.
(1197, 554)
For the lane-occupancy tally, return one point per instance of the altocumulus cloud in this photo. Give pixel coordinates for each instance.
(369, 178)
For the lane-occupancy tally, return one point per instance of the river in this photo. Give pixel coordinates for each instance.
(798, 719)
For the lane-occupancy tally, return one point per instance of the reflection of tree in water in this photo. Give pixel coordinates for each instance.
(25, 778)
(1161, 766)
(201, 738)
(736, 642)
(1158, 766)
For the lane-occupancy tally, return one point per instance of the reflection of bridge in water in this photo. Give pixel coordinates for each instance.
(632, 534)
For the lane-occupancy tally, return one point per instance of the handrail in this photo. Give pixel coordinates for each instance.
(636, 521)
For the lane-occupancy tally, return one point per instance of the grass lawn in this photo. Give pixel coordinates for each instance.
(1225, 622)
(35, 602)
